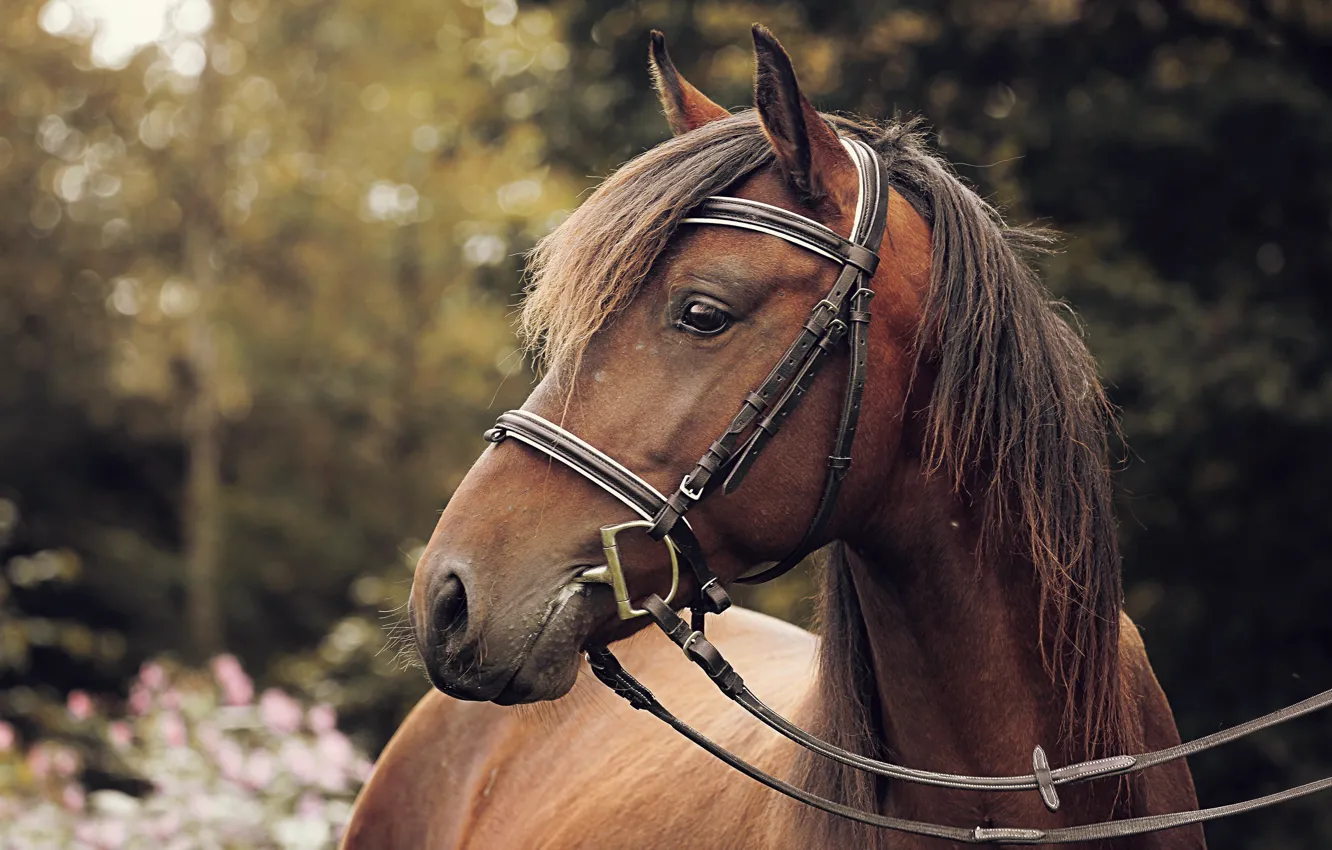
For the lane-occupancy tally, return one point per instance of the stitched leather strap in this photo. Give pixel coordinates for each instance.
(765, 409)
(846, 305)
(675, 629)
(608, 474)
(609, 671)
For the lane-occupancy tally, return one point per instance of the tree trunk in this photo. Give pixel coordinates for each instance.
(203, 484)
(203, 504)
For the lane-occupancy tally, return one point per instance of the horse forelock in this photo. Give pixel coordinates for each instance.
(593, 264)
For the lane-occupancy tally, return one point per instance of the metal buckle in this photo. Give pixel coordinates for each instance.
(692, 495)
(613, 571)
(826, 303)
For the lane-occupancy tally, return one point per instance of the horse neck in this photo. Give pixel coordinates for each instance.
(953, 641)
(954, 652)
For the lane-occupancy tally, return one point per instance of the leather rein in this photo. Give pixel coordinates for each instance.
(842, 315)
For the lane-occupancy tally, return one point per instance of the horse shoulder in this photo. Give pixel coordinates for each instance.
(584, 770)
(420, 791)
(1168, 788)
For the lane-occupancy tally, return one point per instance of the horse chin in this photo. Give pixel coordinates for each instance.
(541, 680)
(549, 668)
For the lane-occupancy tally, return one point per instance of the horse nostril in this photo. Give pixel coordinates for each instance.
(450, 618)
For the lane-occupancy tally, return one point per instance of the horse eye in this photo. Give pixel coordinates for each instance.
(704, 319)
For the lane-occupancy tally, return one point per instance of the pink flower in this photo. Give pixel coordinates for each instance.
(337, 758)
(80, 705)
(280, 713)
(230, 760)
(152, 675)
(259, 769)
(8, 737)
(171, 699)
(140, 700)
(208, 736)
(363, 769)
(237, 689)
(165, 826)
(65, 762)
(173, 729)
(321, 718)
(110, 833)
(120, 734)
(310, 806)
(334, 750)
(39, 761)
(300, 761)
(72, 798)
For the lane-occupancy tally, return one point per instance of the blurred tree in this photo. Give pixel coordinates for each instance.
(365, 181)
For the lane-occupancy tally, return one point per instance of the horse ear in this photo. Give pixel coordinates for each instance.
(686, 107)
(814, 161)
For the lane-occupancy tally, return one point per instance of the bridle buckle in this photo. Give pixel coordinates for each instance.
(691, 495)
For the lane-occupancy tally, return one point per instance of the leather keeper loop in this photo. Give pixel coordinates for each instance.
(664, 521)
(1041, 768)
(718, 449)
(714, 597)
(833, 337)
(862, 258)
(862, 316)
(730, 683)
(701, 651)
(671, 623)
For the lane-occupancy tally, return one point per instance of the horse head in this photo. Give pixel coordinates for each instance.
(652, 330)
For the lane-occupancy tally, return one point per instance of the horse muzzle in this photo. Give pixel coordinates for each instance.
(527, 652)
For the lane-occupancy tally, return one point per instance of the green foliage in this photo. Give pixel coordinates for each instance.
(379, 175)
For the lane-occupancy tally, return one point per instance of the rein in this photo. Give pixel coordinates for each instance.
(843, 314)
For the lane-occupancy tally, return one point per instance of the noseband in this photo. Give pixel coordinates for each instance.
(843, 314)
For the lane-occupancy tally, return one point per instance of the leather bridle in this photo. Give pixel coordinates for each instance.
(843, 314)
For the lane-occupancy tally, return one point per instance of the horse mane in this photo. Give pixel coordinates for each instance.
(1017, 421)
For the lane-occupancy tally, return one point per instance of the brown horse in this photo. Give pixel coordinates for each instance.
(970, 599)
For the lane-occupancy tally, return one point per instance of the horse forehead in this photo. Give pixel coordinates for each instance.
(727, 251)
(769, 186)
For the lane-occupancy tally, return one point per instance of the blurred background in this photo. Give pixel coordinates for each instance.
(259, 260)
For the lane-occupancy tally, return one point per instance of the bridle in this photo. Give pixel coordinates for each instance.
(843, 314)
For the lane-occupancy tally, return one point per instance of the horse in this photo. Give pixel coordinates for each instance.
(970, 598)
